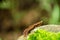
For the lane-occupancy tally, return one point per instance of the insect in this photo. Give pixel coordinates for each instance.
(26, 31)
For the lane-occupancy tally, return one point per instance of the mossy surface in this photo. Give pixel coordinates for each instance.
(41, 34)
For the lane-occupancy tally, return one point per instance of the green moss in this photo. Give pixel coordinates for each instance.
(43, 35)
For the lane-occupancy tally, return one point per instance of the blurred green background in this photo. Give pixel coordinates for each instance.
(17, 15)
